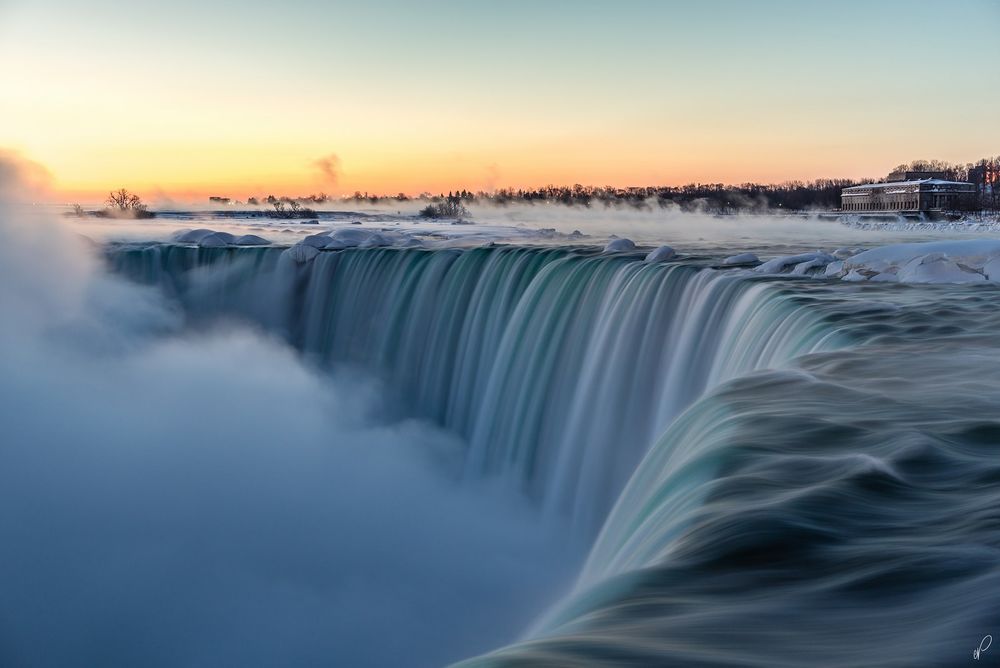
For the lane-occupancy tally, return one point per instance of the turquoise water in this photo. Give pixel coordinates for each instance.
(764, 472)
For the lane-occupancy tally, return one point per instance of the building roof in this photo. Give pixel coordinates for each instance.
(902, 184)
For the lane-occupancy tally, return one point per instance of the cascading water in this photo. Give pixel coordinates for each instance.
(781, 513)
(837, 513)
(559, 367)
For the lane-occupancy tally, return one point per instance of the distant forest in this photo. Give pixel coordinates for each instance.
(716, 198)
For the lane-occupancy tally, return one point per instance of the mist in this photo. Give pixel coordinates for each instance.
(170, 498)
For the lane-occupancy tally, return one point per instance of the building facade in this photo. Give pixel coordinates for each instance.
(909, 196)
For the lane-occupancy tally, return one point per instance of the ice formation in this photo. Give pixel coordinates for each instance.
(814, 260)
(251, 240)
(965, 261)
(301, 253)
(661, 254)
(742, 258)
(216, 240)
(619, 245)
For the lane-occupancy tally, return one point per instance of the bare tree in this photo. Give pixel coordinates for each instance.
(450, 208)
(123, 200)
(123, 204)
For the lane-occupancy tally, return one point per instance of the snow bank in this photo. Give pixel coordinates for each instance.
(965, 261)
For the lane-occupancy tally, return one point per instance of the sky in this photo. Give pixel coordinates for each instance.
(189, 99)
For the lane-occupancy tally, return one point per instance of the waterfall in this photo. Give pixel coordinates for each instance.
(559, 367)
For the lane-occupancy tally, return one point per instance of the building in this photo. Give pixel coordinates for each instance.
(916, 176)
(909, 196)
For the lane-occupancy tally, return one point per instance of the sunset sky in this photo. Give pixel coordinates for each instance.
(187, 99)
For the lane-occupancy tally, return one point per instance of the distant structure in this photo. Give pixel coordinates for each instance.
(915, 176)
(906, 192)
(220, 200)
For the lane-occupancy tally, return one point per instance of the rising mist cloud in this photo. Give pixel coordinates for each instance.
(170, 498)
(330, 169)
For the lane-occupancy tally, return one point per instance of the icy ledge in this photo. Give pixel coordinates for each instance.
(211, 239)
(967, 261)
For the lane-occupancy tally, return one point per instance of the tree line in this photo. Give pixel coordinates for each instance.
(717, 198)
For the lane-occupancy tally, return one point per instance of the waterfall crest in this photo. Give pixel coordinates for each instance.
(559, 367)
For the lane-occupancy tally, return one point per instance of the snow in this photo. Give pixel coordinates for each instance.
(742, 258)
(317, 240)
(619, 245)
(776, 265)
(251, 240)
(965, 261)
(213, 239)
(844, 253)
(352, 236)
(834, 268)
(854, 276)
(661, 254)
(935, 268)
(962, 261)
(374, 241)
(991, 269)
(905, 185)
(216, 240)
(803, 268)
(191, 236)
(301, 253)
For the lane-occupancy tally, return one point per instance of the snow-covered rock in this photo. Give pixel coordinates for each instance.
(374, 241)
(301, 253)
(965, 261)
(884, 277)
(349, 237)
(935, 268)
(250, 240)
(854, 276)
(844, 253)
(317, 240)
(742, 258)
(803, 268)
(191, 236)
(204, 237)
(776, 265)
(619, 245)
(834, 269)
(216, 240)
(661, 254)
